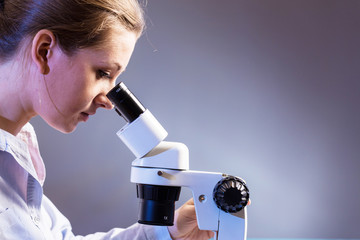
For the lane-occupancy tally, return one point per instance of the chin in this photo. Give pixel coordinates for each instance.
(67, 130)
(64, 128)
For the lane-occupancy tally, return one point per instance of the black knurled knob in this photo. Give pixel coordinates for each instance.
(231, 194)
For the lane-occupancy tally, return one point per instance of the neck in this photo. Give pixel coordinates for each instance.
(15, 109)
(12, 126)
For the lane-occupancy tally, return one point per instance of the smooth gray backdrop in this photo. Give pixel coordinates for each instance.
(265, 90)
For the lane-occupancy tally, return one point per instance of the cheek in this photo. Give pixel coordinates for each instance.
(68, 93)
(74, 84)
(77, 98)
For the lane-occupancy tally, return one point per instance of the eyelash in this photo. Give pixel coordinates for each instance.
(104, 74)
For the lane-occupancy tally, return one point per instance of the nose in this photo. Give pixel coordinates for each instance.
(102, 101)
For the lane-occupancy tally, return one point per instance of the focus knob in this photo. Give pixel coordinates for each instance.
(231, 194)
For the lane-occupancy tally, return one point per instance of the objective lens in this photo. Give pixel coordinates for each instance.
(157, 204)
(126, 104)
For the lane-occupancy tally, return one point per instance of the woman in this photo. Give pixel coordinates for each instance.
(58, 59)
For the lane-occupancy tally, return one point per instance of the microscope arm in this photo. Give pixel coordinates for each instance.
(209, 217)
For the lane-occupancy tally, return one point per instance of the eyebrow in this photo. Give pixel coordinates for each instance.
(118, 66)
(114, 65)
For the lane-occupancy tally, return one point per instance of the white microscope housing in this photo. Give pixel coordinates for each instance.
(161, 168)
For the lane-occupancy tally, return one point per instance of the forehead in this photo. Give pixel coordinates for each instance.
(117, 48)
(117, 38)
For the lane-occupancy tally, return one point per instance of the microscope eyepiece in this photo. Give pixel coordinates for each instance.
(126, 104)
(157, 203)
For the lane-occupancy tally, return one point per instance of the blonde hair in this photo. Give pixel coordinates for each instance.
(76, 24)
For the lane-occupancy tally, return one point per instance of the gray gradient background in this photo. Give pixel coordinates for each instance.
(266, 90)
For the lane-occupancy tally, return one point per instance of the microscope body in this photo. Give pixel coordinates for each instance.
(162, 167)
(167, 164)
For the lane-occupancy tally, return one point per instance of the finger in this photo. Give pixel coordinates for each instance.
(190, 202)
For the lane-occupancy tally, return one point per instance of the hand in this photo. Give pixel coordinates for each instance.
(185, 224)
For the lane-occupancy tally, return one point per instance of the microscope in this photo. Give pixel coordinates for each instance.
(161, 168)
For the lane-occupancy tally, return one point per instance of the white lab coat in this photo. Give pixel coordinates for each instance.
(27, 214)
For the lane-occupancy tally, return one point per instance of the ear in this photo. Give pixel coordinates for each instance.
(42, 46)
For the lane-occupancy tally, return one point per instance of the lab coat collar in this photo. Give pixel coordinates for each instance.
(19, 146)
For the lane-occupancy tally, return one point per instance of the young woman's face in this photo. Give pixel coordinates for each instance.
(76, 86)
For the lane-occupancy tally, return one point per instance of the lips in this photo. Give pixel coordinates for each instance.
(85, 115)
